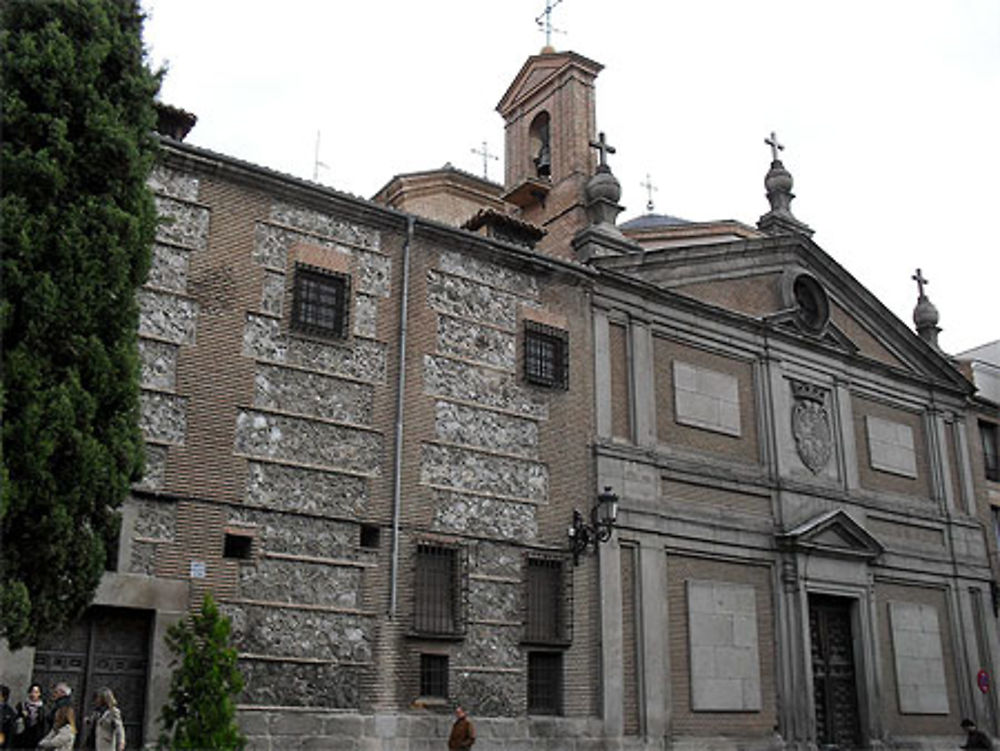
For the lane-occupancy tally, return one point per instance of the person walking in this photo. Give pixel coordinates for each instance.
(463, 732)
(63, 732)
(975, 738)
(104, 726)
(31, 721)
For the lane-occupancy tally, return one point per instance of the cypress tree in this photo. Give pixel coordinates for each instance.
(77, 226)
(202, 709)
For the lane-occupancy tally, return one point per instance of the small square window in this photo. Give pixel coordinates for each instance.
(434, 676)
(545, 682)
(320, 302)
(237, 546)
(546, 355)
(369, 536)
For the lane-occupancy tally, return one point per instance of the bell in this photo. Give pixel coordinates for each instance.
(543, 162)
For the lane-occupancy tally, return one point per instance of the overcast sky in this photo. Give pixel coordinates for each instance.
(889, 111)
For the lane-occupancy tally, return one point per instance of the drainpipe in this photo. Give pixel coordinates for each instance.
(397, 468)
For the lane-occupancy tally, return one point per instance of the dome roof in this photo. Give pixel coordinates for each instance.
(651, 221)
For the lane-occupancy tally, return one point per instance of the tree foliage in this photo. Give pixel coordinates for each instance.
(201, 711)
(77, 225)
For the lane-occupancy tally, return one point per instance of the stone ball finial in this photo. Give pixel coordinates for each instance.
(778, 179)
(925, 314)
(603, 186)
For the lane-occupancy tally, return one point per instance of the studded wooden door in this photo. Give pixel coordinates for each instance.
(835, 686)
(109, 647)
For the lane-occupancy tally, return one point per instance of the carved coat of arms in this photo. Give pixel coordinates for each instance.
(811, 426)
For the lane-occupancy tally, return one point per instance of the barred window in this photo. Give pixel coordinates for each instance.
(320, 302)
(545, 684)
(546, 355)
(435, 590)
(991, 459)
(545, 598)
(434, 676)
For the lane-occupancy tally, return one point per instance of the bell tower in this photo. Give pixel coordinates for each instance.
(550, 120)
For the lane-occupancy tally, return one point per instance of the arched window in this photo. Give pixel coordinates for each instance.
(540, 147)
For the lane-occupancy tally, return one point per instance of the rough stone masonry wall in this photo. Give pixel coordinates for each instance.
(483, 466)
(304, 631)
(168, 318)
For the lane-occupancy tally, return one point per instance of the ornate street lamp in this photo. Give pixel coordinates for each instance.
(602, 521)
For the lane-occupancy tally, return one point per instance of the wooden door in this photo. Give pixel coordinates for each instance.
(108, 647)
(835, 687)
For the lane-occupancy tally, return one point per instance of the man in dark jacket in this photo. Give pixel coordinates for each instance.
(975, 738)
(463, 732)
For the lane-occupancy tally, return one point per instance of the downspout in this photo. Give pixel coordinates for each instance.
(397, 468)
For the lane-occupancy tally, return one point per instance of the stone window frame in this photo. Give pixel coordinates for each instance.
(445, 617)
(561, 601)
(328, 320)
(545, 682)
(546, 355)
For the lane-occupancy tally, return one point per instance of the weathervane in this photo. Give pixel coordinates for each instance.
(546, 25)
(775, 146)
(486, 155)
(650, 189)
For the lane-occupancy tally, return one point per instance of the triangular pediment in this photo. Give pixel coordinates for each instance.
(756, 278)
(833, 533)
(539, 69)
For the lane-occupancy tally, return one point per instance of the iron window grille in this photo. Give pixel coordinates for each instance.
(546, 355)
(434, 676)
(320, 302)
(438, 591)
(991, 455)
(545, 683)
(548, 600)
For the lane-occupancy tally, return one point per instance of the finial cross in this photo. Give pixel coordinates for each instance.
(602, 146)
(486, 155)
(546, 25)
(921, 281)
(650, 189)
(775, 146)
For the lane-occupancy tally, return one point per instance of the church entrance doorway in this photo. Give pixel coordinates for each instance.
(835, 687)
(108, 647)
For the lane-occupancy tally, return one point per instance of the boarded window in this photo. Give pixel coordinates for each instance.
(891, 447)
(545, 682)
(546, 355)
(435, 603)
(706, 399)
(434, 676)
(320, 302)
(921, 686)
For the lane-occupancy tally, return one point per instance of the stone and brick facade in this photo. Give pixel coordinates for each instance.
(803, 550)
